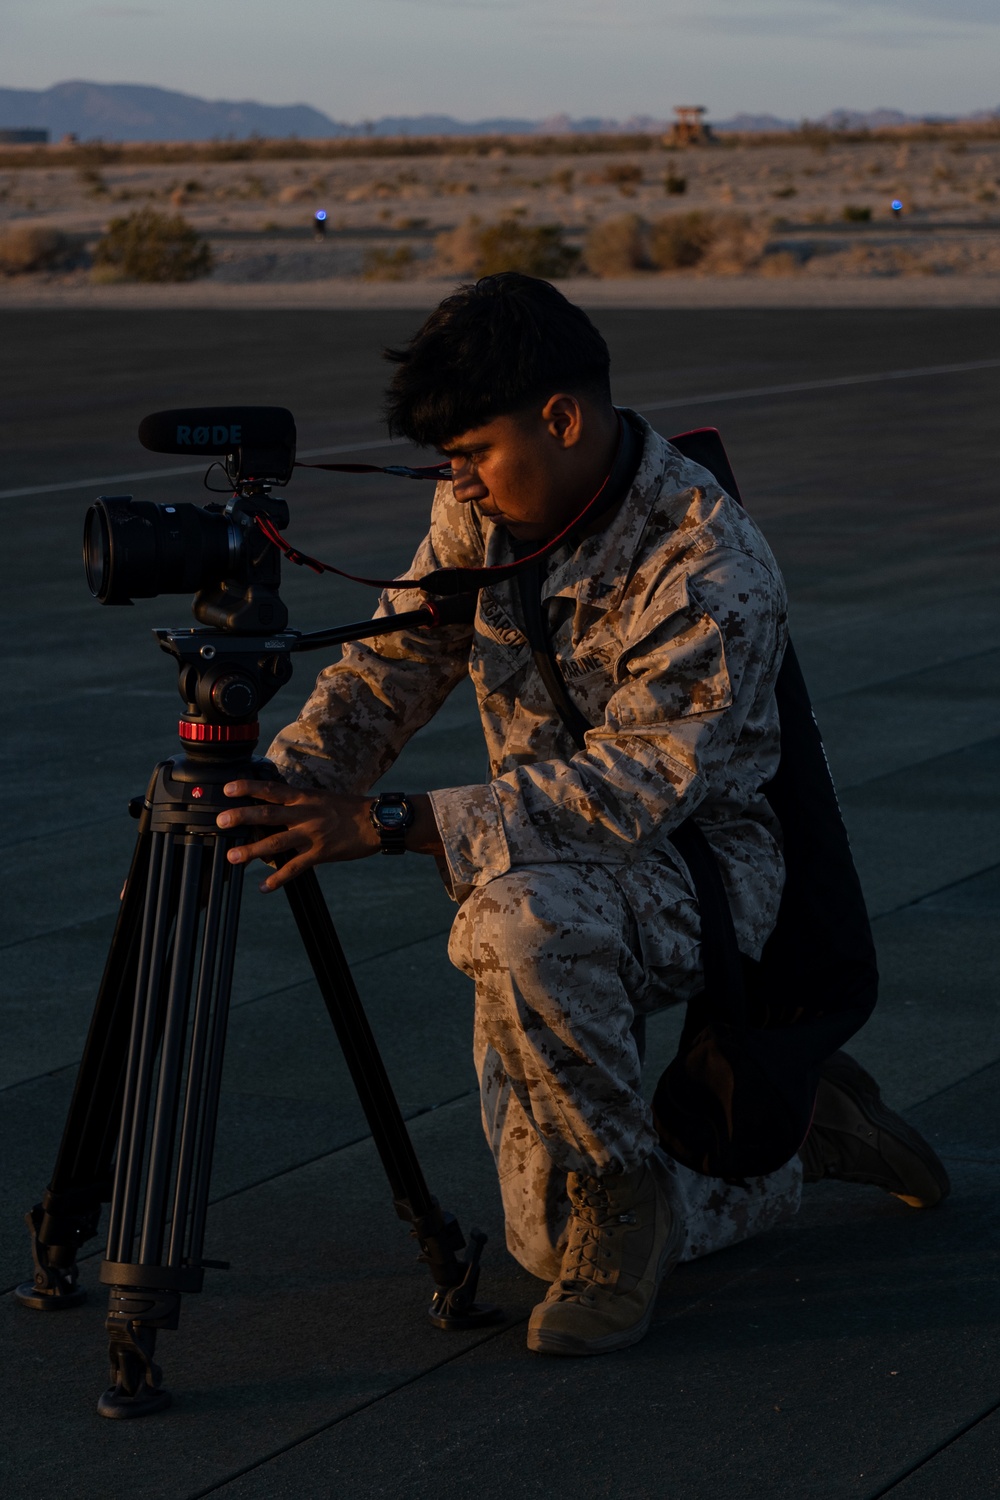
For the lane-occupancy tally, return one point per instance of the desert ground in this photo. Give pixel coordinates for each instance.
(793, 211)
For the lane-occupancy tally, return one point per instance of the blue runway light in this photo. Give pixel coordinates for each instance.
(321, 215)
(896, 205)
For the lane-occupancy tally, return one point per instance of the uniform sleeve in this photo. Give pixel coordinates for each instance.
(696, 674)
(366, 706)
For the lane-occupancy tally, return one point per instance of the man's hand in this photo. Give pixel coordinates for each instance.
(313, 827)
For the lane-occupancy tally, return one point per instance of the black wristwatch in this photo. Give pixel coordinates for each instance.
(391, 816)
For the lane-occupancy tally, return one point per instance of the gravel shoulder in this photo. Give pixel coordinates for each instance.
(338, 294)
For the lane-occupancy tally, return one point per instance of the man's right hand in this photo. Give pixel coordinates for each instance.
(314, 827)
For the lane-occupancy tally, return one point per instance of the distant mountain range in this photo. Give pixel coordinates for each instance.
(135, 112)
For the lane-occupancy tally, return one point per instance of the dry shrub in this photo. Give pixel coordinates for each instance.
(31, 247)
(680, 240)
(779, 263)
(874, 260)
(674, 185)
(737, 245)
(477, 249)
(296, 193)
(92, 182)
(720, 243)
(458, 249)
(621, 172)
(535, 249)
(388, 265)
(148, 246)
(617, 247)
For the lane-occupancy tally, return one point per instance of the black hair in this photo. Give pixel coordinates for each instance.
(493, 347)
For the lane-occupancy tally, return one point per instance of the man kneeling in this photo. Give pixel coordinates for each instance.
(625, 674)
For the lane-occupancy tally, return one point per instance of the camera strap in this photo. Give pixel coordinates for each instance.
(399, 471)
(444, 582)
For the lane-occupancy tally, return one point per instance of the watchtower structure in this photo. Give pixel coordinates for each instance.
(689, 129)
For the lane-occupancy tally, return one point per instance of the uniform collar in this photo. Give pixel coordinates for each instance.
(596, 570)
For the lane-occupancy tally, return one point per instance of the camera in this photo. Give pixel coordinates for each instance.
(138, 549)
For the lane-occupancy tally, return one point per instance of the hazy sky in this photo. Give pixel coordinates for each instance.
(474, 58)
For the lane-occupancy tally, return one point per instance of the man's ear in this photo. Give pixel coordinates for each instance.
(563, 416)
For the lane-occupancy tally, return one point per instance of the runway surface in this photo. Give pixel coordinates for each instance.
(851, 1354)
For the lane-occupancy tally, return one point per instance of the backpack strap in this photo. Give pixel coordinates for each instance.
(529, 583)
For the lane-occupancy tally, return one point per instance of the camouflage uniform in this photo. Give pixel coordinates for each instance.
(576, 912)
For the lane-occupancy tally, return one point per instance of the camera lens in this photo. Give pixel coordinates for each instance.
(136, 549)
(97, 552)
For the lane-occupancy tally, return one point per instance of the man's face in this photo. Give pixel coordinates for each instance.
(533, 471)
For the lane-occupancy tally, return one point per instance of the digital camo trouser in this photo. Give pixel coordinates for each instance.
(564, 956)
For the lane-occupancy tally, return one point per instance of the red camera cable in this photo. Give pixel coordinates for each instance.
(443, 581)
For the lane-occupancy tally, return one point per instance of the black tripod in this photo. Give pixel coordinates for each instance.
(141, 1125)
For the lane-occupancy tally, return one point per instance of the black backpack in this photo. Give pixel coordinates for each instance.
(737, 1100)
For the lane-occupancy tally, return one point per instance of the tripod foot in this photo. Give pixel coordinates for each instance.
(54, 1287)
(55, 1296)
(136, 1390)
(455, 1307)
(115, 1403)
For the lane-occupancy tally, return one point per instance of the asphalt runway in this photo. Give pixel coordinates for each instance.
(851, 1354)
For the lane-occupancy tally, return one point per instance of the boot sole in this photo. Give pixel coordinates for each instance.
(899, 1144)
(541, 1341)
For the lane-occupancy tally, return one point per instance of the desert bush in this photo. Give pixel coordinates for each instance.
(617, 173)
(680, 240)
(723, 243)
(617, 247)
(477, 249)
(788, 191)
(535, 249)
(674, 185)
(738, 242)
(780, 263)
(149, 246)
(296, 192)
(458, 249)
(855, 213)
(91, 181)
(380, 264)
(31, 247)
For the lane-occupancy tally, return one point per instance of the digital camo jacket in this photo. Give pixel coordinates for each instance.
(669, 628)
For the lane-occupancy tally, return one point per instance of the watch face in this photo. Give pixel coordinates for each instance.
(392, 815)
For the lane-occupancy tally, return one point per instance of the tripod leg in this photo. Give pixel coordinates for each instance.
(172, 1086)
(437, 1232)
(69, 1212)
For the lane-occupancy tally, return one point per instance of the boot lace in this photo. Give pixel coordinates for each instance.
(590, 1257)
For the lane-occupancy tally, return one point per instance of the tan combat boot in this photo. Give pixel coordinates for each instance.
(623, 1240)
(856, 1137)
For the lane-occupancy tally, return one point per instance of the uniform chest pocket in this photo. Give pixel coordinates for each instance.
(678, 668)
